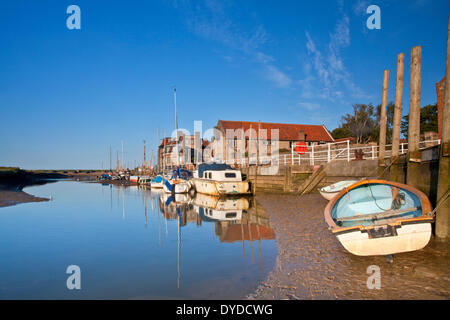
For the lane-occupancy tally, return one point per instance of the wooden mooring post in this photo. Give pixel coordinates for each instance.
(383, 119)
(414, 155)
(443, 213)
(396, 169)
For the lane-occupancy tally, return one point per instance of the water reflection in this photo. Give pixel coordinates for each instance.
(134, 243)
(233, 219)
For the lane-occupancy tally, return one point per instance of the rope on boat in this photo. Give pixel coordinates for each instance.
(441, 201)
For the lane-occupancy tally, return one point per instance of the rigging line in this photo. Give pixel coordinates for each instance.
(441, 201)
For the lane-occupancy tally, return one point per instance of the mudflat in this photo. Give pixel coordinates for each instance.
(11, 198)
(312, 264)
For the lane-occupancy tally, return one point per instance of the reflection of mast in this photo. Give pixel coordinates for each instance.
(110, 198)
(118, 196)
(250, 237)
(259, 236)
(123, 205)
(159, 227)
(242, 235)
(179, 241)
(145, 207)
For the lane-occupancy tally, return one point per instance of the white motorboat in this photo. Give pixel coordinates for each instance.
(219, 180)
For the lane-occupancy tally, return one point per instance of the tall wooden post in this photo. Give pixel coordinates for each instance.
(383, 118)
(398, 105)
(414, 156)
(414, 105)
(443, 213)
(396, 169)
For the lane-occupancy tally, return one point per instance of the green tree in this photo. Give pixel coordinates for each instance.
(389, 123)
(428, 120)
(340, 132)
(362, 123)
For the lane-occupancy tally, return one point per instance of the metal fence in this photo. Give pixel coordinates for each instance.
(324, 153)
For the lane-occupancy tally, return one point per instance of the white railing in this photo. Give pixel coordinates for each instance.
(320, 154)
(324, 153)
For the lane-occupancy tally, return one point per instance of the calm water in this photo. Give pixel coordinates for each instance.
(131, 243)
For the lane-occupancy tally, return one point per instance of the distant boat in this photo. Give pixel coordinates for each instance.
(219, 180)
(157, 182)
(379, 217)
(329, 192)
(145, 180)
(134, 179)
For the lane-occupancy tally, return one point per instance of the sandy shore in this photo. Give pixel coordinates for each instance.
(11, 198)
(312, 264)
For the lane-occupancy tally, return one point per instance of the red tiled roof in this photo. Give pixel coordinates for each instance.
(287, 132)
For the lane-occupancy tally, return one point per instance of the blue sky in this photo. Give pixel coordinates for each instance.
(67, 95)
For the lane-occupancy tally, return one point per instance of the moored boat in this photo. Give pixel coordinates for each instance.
(157, 182)
(177, 186)
(134, 179)
(145, 180)
(329, 192)
(379, 217)
(219, 180)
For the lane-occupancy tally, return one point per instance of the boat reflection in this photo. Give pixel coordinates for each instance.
(232, 219)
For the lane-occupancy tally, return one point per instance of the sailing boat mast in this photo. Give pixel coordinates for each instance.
(176, 125)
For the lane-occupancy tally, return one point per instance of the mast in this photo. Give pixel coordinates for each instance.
(123, 163)
(144, 160)
(164, 153)
(176, 126)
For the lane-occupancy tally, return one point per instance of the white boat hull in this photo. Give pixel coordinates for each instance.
(221, 188)
(409, 237)
(329, 192)
(180, 187)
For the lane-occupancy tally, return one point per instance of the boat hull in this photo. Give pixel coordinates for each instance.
(328, 195)
(331, 191)
(389, 235)
(180, 187)
(409, 237)
(221, 188)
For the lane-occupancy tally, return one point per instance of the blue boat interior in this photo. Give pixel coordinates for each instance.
(370, 199)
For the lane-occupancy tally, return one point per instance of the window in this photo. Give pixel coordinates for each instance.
(210, 175)
(230, 175)
(230, 215)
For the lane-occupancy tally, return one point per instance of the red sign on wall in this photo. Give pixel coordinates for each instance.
(301, 148)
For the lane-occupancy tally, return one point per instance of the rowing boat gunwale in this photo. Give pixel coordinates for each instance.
(425, 204)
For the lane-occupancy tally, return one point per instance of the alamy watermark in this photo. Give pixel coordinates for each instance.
(374, 21)
(374, 280)
(231, 146)
(74, 20)
(74, 280)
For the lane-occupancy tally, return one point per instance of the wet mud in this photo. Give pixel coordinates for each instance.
(312, 264)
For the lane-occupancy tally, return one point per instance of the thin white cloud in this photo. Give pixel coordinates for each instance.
(311, 106)
(209, 20)
(326, 74)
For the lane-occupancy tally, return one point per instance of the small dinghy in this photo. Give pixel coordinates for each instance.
(329, 192)
(379, 217)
